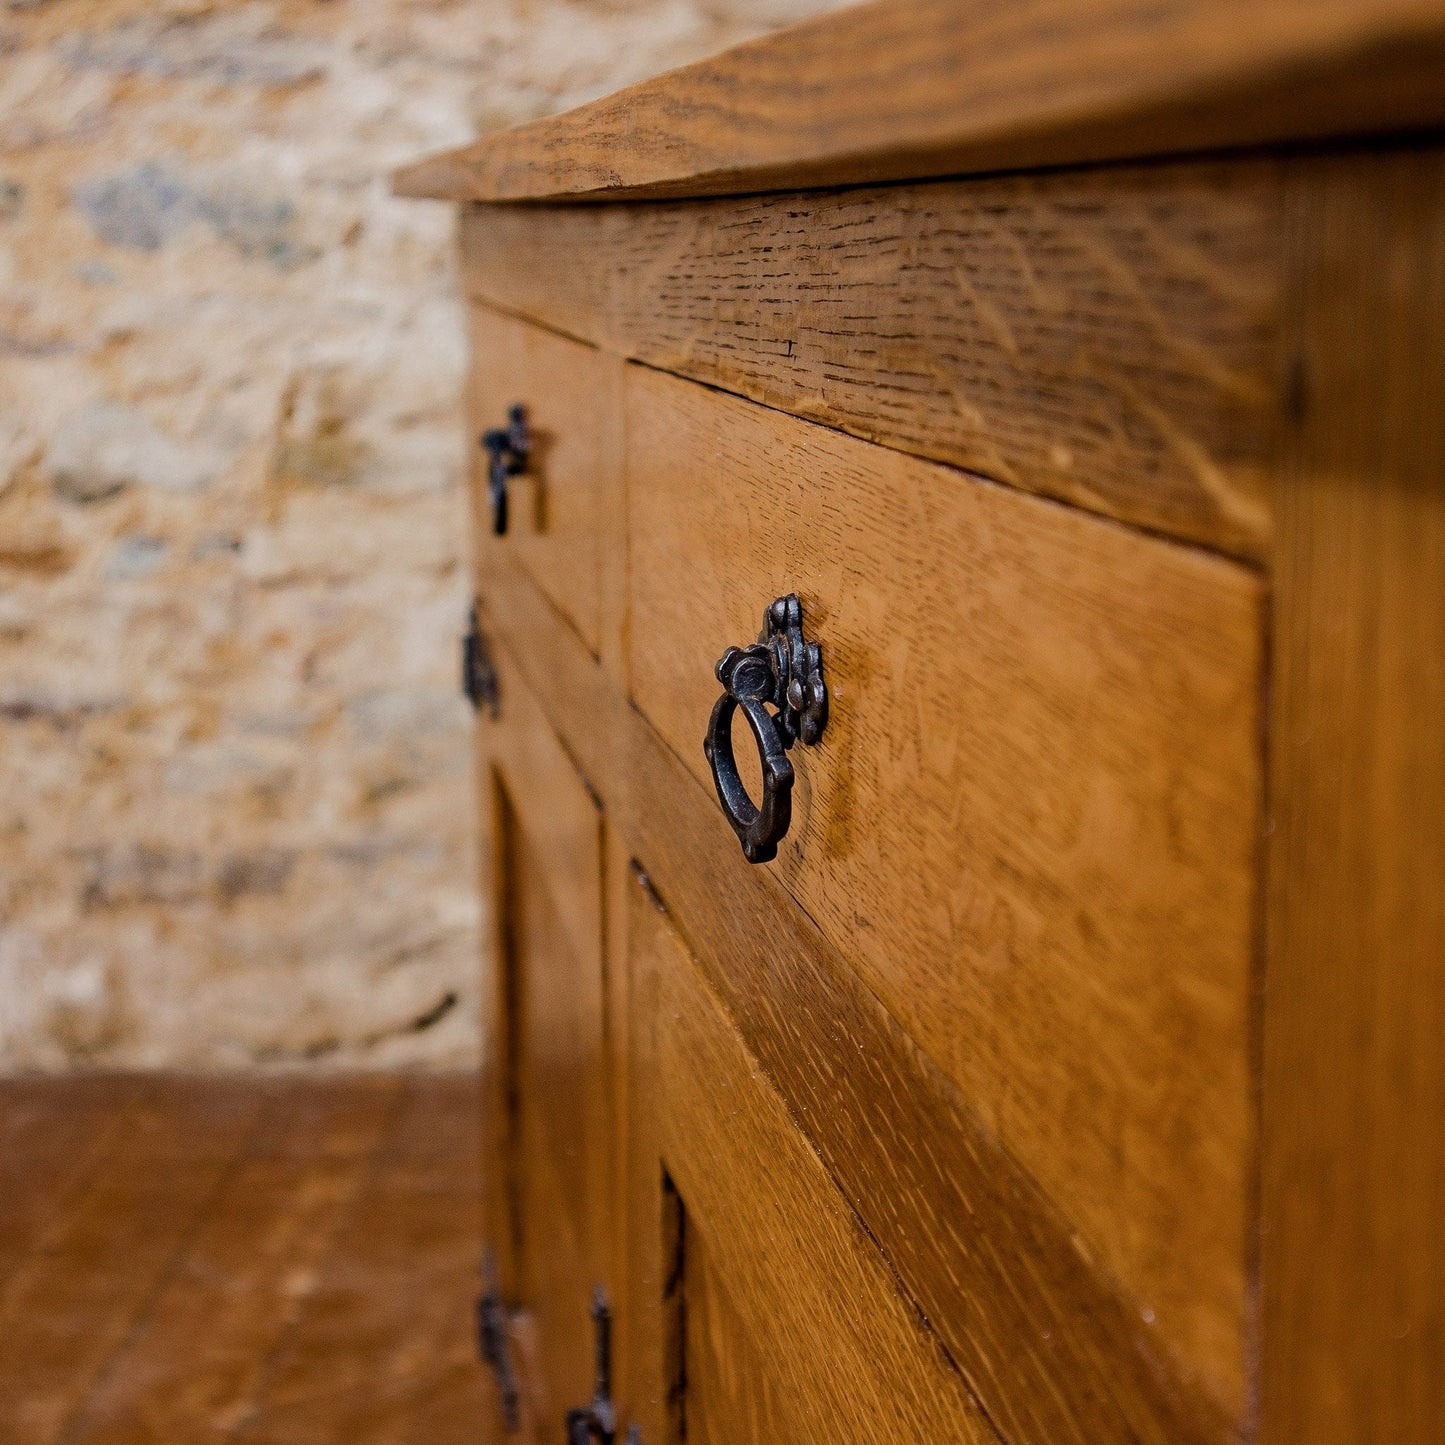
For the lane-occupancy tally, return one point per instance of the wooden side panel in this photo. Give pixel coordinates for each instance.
(1354, 1060)
(804, 1295)
(1033, 820)
(1104, 337)
(561, 509)
(556, 813)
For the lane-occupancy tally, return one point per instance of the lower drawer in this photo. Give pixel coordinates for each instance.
(1032, 821)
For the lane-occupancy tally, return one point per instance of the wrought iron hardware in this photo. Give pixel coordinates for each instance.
(782, 670)
(597, 1421)
(492, 1346)
(479, 673)
(508, 449)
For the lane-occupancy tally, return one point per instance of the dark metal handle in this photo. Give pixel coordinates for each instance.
(508, 449)
(479, 672)
(597, 1421)
(492, 1344)
(783, 671)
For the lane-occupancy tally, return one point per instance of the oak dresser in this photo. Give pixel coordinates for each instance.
(959, 651)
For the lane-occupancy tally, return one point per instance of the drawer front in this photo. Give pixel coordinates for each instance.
(1107, 337)
(786, 1324)
(556, 509)
(1032, 821)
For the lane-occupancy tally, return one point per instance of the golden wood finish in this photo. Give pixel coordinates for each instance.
(1354, 1041)
(548, 1089)
(788, 1307)
(1107, 337)
(992, 1265)
(902, 89)
(252, 1261)
(1075, 1075)
(1031, 826)
(558, 509)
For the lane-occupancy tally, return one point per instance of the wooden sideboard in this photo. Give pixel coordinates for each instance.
(1013, 438)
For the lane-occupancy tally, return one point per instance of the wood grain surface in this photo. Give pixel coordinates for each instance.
(651, 1341)
(286, 1261)
(1047, 1341)
(71, 1304)
(901, 89)
(548, 833)
(1108, 338)
(47, 1157)
(558, 514)
(1354, 1045)
(194, 1365)
(728, 1388)
(1032, 824)
(643, 1283)
(384, 1352)
(807, 1300)
(497, 1084)
(560, 1047)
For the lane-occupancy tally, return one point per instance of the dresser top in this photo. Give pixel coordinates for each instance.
(908, 89)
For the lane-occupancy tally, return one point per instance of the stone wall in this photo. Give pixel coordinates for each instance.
(234, 770)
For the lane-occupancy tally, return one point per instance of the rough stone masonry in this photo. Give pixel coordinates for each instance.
(234, 769)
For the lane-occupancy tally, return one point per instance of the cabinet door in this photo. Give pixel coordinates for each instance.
(762, 1312)
(546, 1168)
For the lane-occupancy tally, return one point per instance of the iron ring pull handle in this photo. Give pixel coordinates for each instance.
(508, 449)
(782, 671)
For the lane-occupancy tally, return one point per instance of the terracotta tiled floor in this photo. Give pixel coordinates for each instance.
(273, 1263)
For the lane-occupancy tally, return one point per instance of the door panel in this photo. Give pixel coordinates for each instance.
(730, 1395)
(786, 1322)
